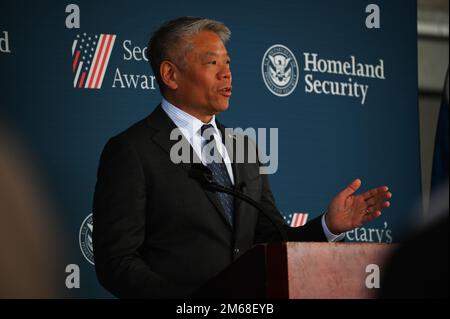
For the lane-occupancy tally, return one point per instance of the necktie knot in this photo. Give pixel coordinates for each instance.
(207, 132)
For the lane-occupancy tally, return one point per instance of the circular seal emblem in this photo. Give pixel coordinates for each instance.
(280, 70)
(85, 239)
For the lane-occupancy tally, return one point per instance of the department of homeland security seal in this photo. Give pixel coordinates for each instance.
(85, 239)
(280, 70)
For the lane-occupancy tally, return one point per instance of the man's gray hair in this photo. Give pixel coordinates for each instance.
(172, 40)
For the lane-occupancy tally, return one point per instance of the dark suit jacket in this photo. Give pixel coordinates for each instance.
(157, 232)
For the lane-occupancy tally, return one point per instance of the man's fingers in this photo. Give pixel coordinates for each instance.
(373, 192)
(371, 216)
(379, 207)
(379, 198)
(372, 212)
(375, 201)
(353, 187)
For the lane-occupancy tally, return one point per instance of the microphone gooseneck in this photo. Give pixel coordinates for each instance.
(204, 176)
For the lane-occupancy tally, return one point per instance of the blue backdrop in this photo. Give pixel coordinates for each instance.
(325, 141)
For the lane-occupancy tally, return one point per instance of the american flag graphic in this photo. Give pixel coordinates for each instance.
(296, 219)
(91, 55)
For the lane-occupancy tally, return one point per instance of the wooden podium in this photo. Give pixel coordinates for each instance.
(301, 271)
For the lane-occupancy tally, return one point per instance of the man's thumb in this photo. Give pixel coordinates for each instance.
(353, 187)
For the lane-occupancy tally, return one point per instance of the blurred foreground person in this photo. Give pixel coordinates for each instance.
(30, 256)
(419, 269)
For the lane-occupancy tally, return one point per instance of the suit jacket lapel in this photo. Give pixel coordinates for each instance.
(160, 121)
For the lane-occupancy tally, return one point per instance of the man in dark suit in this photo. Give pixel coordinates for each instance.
(157, 232)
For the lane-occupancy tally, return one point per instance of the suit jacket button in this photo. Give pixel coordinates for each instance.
(236, 251)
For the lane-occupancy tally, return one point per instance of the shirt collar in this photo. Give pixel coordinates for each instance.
(188, 123)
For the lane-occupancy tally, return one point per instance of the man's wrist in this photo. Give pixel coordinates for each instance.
(331, 237)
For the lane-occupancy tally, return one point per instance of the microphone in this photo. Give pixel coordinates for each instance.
(204, 176)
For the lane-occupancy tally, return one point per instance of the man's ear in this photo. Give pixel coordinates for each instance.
(168, 72)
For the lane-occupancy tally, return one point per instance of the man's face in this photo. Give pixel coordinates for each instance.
(204, 83)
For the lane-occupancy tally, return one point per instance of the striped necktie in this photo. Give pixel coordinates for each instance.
(215, 163)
